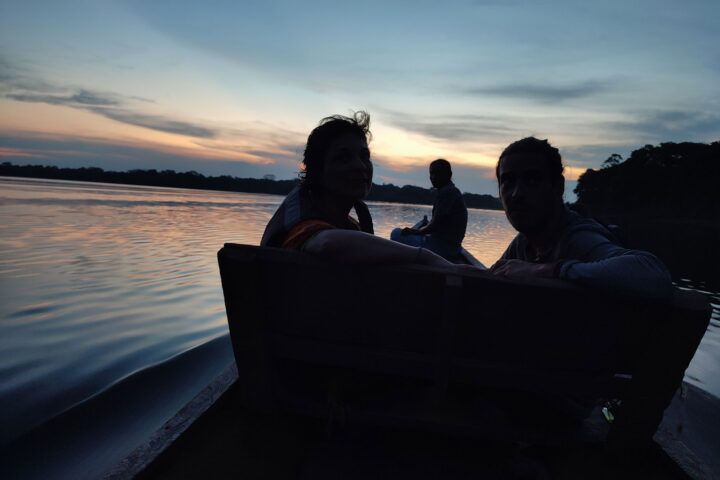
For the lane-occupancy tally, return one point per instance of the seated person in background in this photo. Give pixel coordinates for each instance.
(554, 241)
(446, 230)
(337, 175)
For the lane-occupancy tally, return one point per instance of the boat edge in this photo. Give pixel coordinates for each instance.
(146, 453)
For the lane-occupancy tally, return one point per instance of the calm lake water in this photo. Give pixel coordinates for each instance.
(112, 315)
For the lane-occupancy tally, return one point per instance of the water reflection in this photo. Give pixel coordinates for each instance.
(101, 281)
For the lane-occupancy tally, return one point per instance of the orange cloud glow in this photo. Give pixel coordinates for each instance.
(60, 122)
(14, 152)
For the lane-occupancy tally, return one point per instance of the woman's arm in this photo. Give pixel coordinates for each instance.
(348, 246)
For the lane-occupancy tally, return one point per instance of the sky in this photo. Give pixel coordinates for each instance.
(235, 87)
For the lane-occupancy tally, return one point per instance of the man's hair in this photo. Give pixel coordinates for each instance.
(532, 145)
(443, 164)
(327, 131)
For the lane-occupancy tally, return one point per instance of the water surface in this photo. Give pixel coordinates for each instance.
(112, 315)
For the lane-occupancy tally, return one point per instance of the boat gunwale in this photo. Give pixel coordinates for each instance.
(164, 437)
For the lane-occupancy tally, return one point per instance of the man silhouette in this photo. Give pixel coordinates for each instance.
(445, 231)
(554, 241)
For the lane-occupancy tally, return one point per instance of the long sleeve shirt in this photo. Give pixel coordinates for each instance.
(589, 255)
(449, 215)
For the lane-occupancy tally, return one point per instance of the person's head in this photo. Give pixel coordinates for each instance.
(337, 158)
(440, 172)
(531, 183)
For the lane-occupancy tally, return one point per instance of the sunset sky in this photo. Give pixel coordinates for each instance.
(234, 87)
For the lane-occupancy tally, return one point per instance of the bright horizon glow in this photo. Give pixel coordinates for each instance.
(235, 88)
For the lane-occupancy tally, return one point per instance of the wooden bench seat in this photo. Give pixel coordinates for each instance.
(351, 342)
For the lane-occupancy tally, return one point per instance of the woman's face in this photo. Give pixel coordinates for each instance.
(347, 169)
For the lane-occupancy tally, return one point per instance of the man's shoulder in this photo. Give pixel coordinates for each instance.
(454, 189)
(516, 249)
(449, 191)
(583, 235)
(577, 224)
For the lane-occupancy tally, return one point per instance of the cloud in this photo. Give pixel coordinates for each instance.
(108, 105)
(463, 128)
(15, 153)
(400, 164)
(14, 78)
(82, 98)
(544, 93)
(672, 125)
(582, 157)
(259, 143)
(641, 129)
(23, 148)
(154, 122)
(117, 107)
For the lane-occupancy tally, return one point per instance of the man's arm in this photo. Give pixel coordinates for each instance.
(602, 264)
(347, 246)
(607, 265)
(441, 212)
(424, 230)
(520, 268)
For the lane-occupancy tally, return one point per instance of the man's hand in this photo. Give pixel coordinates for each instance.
(410, 231)
(519, 268)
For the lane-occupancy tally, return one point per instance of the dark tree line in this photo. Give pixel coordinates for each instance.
(666, 199)
(668, 181)
(425, 196)
(192, 179)
(164, 178)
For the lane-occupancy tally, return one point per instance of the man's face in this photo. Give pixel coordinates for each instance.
(528, 193)
(439, 176)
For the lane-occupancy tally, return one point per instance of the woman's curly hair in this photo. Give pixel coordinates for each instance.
(329, 129)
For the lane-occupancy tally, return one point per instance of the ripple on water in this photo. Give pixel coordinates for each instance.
(37, 309)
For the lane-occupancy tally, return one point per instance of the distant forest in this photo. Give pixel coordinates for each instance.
(670, 181)
(192, 179)
(666, 200)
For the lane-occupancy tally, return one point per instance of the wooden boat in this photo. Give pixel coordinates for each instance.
(418, 372)
(464, 258)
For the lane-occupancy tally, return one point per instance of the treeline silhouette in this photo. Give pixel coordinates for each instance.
(668, 181)
(418, 195)
(665, 199)
(195, 180)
